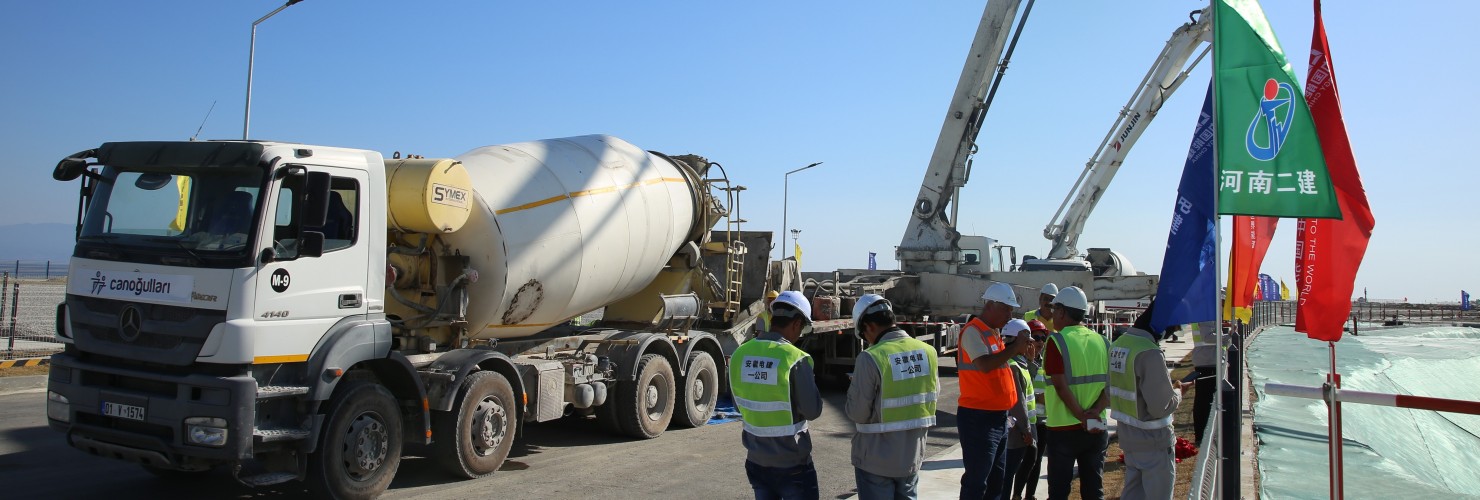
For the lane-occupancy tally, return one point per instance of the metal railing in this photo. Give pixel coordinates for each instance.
(28, 311)
(34, 269)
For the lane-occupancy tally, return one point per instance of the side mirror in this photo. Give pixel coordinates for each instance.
(311, 244)
(72, 167)
(316, 201)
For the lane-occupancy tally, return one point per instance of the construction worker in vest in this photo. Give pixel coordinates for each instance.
(1044, 312)
(987, 393)
(1025, 484)
(763, 324)
(892, 402)
(1021, 434)
(1077, 364)
(1204, 376)
(1142, 401)
(772, 383)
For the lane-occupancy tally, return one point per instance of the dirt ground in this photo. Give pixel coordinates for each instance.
(21, 371)
(1115, 472)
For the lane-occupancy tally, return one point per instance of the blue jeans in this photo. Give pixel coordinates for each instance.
(983, 452)
(875, 487)
(1014, 459)
(782, 483)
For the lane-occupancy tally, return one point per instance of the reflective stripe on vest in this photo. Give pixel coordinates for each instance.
(1123, 406)
(760, 381)
(1085, 356)
(993, 390)
(908, 385)
(1030, 405)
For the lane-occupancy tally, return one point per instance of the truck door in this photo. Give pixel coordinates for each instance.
(305, 296)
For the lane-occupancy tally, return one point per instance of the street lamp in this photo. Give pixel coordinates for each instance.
(785, 198)
(252, 54)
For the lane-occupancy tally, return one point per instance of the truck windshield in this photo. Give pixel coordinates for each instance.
(204, 215)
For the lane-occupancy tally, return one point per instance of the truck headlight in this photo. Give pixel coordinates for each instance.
(206, 431)
(56, 407)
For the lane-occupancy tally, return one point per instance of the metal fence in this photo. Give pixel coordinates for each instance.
(28, 310)
(34, 269)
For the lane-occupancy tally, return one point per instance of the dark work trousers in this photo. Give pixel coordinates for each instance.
(983, 452)
(782, 483)
(1025, 485)
(1206, 389)
(1067, 447)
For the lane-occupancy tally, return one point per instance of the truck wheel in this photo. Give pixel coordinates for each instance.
(360, 444)
(699, 392)
(474, 438)
(645, 406)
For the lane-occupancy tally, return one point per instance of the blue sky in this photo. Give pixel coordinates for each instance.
(762, 87)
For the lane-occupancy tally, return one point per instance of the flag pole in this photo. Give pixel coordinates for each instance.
(1333, 429)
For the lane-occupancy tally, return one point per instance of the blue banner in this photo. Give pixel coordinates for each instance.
(1188, 290)
(1269, 289)
(872, 264)
(1464, 300)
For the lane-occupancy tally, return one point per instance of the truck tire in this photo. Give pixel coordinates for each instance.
(359, 445)
(645, 406)
(699, 391)
(474, 438)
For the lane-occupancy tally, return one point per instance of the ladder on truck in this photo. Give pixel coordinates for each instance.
(733, 249)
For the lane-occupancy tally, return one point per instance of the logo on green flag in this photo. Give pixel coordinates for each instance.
(1269, 156)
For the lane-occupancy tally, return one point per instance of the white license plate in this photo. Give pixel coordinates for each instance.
(123, 411)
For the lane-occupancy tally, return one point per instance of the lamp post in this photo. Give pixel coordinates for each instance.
(251, 55)
(785, 199)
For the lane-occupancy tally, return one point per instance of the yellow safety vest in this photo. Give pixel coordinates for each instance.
(908, 385)
(1086, 357)
(1030, 404)
(1123, 354)
(760, 381)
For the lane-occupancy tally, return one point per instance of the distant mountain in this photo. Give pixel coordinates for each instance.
(36, 242)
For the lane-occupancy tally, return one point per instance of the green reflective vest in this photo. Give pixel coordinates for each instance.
(1123, 407)
(1032, 315)
(908, 385)
(1086, 357)
(1030, 404)
(760, 380)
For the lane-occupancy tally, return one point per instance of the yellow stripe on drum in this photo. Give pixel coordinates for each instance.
(588, 192)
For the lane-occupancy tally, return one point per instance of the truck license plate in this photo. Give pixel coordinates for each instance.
(123, 411)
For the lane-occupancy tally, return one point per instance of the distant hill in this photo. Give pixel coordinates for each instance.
(36, 242)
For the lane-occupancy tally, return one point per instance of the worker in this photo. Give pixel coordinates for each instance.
(1044, 312)
(764, 323)
(987, 393)
(773, 386)
(1025, 484)
(1142, 401)
(1077, 364)
(1204, 376)
(1021, 435)
(892, 401)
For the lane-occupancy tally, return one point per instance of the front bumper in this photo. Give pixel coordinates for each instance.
(168, 399)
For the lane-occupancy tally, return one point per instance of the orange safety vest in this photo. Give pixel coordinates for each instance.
(993, 390)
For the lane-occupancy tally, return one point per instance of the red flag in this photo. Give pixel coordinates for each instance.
(1329, 251)
(1251, 237)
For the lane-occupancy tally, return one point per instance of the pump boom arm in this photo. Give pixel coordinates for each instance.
(1166, 74)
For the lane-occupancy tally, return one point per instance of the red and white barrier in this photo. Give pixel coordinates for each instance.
(1377, 398)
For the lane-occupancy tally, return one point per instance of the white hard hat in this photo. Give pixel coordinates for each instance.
(1001, 292)
(1050, 290)
(794, 299)
(1072, 298)
(866, 305)
(1014, 328)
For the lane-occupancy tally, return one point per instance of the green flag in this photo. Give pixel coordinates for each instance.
(1269, 157)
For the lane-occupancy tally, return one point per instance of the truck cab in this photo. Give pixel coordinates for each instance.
(204, 276)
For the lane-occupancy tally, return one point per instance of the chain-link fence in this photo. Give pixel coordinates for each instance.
(28, 311)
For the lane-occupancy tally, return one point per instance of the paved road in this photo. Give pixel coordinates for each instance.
(562, 459)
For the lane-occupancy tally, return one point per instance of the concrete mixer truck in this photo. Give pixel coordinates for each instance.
(297, 312)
